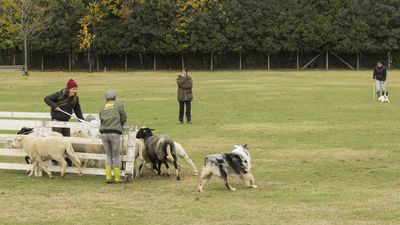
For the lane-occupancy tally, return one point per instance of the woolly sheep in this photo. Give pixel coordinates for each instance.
(159, 149)
(40, 149)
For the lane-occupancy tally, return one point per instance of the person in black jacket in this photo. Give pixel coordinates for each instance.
(379, 76)
(66, 100)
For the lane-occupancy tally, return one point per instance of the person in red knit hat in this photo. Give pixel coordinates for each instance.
(67, 100)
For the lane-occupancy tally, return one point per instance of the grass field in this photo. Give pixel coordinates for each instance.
(323, 151)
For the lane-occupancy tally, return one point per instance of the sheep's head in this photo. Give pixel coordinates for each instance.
(17, 143)
(144, 132)
(80, 133)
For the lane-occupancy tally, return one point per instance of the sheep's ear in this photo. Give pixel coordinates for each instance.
(245, 146)
(235, 146)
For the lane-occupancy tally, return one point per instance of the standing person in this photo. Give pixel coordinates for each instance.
(185, 95)
(379, 76)
(67, 100)
(112, 118)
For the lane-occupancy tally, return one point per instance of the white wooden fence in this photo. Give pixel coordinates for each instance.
(14, 121)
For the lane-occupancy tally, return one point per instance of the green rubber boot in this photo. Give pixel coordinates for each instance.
(108, 175)
(117, 175)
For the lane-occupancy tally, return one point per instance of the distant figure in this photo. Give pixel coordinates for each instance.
(185, 96)
(379, 76)
(67, 100)
(112, 118)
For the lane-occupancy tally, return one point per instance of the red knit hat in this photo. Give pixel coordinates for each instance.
(71, 84)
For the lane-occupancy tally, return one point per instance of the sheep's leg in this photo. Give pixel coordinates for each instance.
(167, 166)
(186, 157)
(176, 169)
(159, 167)
(63, 164)
(34, 165)
(45, 169)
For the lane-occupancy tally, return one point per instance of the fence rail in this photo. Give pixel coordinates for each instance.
(44, 126)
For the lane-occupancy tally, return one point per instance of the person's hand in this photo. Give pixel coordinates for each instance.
(57, 109)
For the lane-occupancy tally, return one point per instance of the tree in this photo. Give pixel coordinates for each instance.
(26, 19)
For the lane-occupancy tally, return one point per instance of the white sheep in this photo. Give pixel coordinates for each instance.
(86, 148)
(41, 149)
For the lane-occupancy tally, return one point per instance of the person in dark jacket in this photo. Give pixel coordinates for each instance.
(66, 100)
(112, 118)
(185, 95)
(379, 76)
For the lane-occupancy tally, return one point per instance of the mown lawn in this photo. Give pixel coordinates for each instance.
(323, 151)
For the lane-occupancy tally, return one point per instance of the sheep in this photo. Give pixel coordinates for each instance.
(180, 151)
(86, 148)
(31, 132)
(159, 150)
(40, 149)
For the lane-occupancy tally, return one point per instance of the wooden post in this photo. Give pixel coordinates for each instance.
(129, 166)
(154, 61)
(240, 61)
(212, 61)
(327, 60)
(126, 62)
(269, 61)
(297, 61)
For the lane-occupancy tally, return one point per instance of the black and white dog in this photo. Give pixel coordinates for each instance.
(235, 164)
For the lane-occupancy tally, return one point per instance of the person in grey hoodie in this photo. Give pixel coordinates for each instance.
(112, 118)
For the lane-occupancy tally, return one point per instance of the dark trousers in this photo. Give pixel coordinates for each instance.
(182, 109)
(66, 132)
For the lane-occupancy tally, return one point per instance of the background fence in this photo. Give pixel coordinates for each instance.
(199, 61)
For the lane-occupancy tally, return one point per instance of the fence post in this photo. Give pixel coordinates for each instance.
(129, 165)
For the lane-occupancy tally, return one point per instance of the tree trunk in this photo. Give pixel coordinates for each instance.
(240, 61)
(25, 55)
(69, 61)
(42, 63)
(297, 61)
(97, 62)
(389, 59)
(14, 56)
(327, 60)
(126, 62)
(269, 61)
(89, 61)
(154, 61)
(358, 60)
(182, 61)
(212, 61)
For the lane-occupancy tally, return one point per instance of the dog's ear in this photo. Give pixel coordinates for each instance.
(151, 129)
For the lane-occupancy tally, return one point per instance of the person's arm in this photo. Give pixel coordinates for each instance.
(187, 83)
(384, 74)
(123, 116)
(51, 100)
(77, 110)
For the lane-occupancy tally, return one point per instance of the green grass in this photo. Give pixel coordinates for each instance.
(323, 152)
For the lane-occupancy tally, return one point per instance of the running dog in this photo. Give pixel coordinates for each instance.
(233, 164)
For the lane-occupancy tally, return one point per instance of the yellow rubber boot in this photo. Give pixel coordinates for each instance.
(117, 175)
(108, 174)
